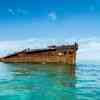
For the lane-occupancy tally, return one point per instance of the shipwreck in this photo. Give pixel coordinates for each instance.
(63, 54)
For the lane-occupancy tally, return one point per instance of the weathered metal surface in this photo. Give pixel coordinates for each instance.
(65, 54)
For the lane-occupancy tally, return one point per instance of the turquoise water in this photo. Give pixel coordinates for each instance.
(49, 82)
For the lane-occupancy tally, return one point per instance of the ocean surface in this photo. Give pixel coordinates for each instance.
(49, 82)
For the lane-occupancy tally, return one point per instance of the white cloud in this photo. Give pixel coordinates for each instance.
(17, 11)
(52, 15)
(11, 11)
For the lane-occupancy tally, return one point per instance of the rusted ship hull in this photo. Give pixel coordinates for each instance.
(65, 54)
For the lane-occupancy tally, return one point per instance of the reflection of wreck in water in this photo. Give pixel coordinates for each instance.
(61, 74)
(71, 73)
(64, 54)
(48, 79)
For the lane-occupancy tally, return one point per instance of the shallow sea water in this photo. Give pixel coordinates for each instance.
(49, 82)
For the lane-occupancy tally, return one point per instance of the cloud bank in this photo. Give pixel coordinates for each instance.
(7, 47)
(89, 50)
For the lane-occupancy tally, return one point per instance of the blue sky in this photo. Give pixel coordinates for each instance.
(22, 19)
(24, 23)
